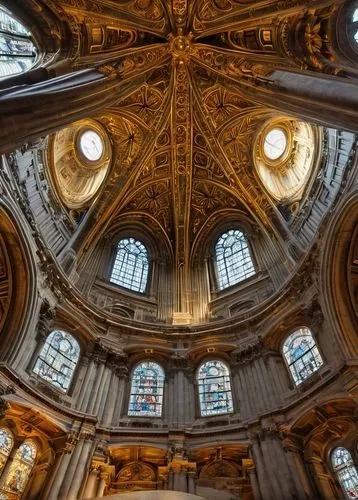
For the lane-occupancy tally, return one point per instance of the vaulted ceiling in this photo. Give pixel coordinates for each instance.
(183, 132)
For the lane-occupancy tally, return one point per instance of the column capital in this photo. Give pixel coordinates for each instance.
(98, 353)
(247, 353)
(116, 358)
(46, 315)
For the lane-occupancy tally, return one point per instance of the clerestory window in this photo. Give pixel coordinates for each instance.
(58, 358)
(302, 355)
(354, 25)
(17, 52)
(346, 471)
(6, 444)
(20, 470)
(214, 386)
(146, 397)
(131, 265)
(233, 259)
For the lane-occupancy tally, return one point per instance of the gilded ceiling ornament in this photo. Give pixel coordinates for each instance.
(312, 36)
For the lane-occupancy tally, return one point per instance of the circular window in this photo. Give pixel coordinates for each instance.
(283, 153)
(91, 145)
(275, 143)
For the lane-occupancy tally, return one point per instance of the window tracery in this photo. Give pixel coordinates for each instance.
(58, 359)
(21, 467)
(346, 471)
(147, 387)
(214, 386)
(131, 265)
(302, 355)
(17, 52)
(233, 259)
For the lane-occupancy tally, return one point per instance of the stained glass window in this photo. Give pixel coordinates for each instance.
(17, 52)
(6, 444)
(233, 259)
(302, 355)
(130, 268)
(346, 471)
(58, 358)
(214, 389)
(146, 398)
(21, 467)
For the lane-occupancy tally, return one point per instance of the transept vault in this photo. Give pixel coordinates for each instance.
(178, 249)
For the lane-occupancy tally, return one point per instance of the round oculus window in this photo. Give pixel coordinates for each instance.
(91, 145)
(275, 143)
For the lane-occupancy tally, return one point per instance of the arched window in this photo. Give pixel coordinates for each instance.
(17, 52)
(146, 397)
(214, 389)
(6, 444)
(20, 468)
(57, 359)
(354, 25)
(130, 268)
(233, 259)
(302, 355)
(346, 472)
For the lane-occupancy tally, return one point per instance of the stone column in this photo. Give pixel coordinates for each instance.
(176, 480)
(98, 357)
(254, 483)
(192, 482)
(58, 473)
(183, 481)
(70, 471)
(270, 466)
(116, 363)
(302, 484)
(30, 111)
(171, 479)
(285, 477)
(265, 485)
(123, 387)
(38, 476)
(325, 100)
(82, 463)
(101, 392)
(101, 486)
(322, 479)
(91, 485)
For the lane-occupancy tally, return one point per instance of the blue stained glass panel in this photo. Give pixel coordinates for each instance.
(17, 52)
(6, 441)
(131, 266)
(58, 358)
(346, 471)
(233, 259)
(302, 355)
(6, 444)
(214, 386)
(146, 397)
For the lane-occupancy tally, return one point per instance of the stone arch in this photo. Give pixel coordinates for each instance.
(339, 266)
(17, 294)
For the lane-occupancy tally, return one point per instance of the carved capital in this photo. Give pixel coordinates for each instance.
(46, 315)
